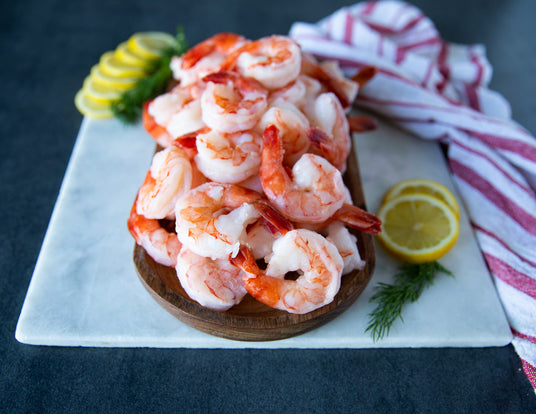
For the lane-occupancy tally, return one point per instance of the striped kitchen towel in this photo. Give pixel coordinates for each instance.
(439, 91)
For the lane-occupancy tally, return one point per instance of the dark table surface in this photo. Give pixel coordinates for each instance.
(47, 48)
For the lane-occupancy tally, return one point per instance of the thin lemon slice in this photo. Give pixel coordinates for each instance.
(111, 81)
(100, 93)
(124, 54)
(149, 45)
(110, 65)
(421, 185)
(91, 108)
(417, 228)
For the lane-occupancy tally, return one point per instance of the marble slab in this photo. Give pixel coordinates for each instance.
(85, 292)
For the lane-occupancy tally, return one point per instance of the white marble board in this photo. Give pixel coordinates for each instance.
(85, 291)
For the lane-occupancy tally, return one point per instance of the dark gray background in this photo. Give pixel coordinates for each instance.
(47, 48)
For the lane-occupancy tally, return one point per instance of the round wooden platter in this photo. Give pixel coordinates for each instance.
(251, 320)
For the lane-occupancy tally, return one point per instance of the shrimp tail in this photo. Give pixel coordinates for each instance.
(188, 141)
(245, 260)
(265, 289)
(362, 124)
(274, 221)
(358, 219)
(365, 75)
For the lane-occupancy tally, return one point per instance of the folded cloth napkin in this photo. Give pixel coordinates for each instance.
(438, 91)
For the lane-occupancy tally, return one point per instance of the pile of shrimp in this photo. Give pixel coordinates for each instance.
(247, 186)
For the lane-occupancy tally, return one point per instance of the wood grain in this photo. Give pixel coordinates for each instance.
(251, 320)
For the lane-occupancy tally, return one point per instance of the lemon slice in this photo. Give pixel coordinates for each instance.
(111, 81)
(124, 54)
(91, 108)
(110, 65)
(100, 93)
(417, 228)
(421, 185)
(149, 45)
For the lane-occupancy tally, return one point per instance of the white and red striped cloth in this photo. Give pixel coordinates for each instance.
(438, 91)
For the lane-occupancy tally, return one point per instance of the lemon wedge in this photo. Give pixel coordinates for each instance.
(417, 228)
(110, 65)
(421, 185)
(149, 45)
(91, 108)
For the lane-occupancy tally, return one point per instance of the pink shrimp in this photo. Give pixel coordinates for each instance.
(163, 246)
(292, 125)
(274, 61)
(232, 103)
(228, 158)
(215, 284)
(211, 219)
(204, 58)
(332, 79)
(312, 192)
(317, 261)
(331, 136)
(170, 176)
(178, 112)
(346, 244)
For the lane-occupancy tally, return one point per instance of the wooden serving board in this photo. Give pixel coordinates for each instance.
(251, 320)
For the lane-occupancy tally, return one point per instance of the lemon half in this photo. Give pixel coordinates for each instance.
(417, 228)
(422, 185)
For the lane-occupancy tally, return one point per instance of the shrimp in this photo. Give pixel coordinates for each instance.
(330, 76)
(331, 136)
(346, 244)
(299, 93)
(232, 103)
(211, 219)
(158, 132)
(274, 61)
(312, 193)
(170, 176)
(178, 111)
(228, 158)
(292, 125)
(163, 246)
(204, 58)
(215, 284)
(316, 259)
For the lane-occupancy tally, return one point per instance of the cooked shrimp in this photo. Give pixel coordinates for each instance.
(159, 243)
(274, 61)
(228, 158)
(211, 219)
(299, 93)
(170, 176)
(158, 132)
(312, 193)
(232, 103)
(331, 136)
(316, 259)
(204, 58)
(215, 284)
(178, 111)
(346, 244)
(330, 76)
(292, 125)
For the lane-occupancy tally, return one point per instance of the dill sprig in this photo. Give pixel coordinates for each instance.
(128, 107)
(410, 281)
